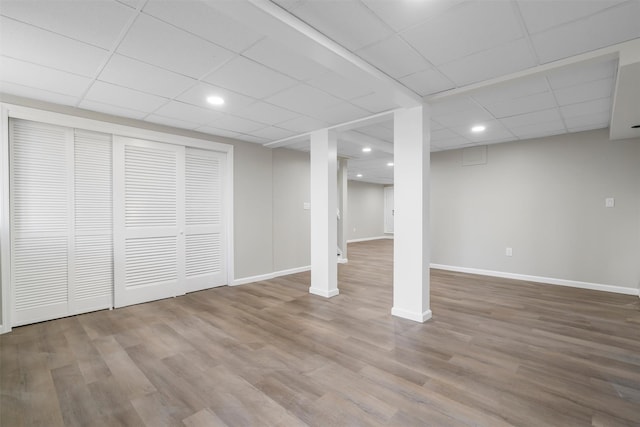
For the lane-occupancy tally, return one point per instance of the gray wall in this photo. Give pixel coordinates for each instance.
(291, 222)
(365, 214)
(545, 199)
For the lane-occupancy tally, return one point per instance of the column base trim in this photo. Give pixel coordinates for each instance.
(324, 293)
(410, 315)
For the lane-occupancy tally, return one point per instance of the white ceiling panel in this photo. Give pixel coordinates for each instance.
(512, 90)
(402, 14)
(217, 131)
(31, 44)
(452, 105)
(113, 110)
(94, 22)
(341, 113)
(43, 78)
(427, 82)
(278, 57)
(543, 116)
(467, 118)
(205, 21)
(187, 113)
(158, 43)
(167, 121)
(305, 99)
(590, 126)
(339, 86)
(374, 103)
(584, 108)
(272, 133)
(235, 124)
(349, 23)
(467, 29)
(494, 132)
(266, 113)
(575, 75)
(107, 93)
(538, 130)
(252, 138)
(131, 73)
(395, 57)
(451, 143)
(198, 94)
(33, 93)
(522, 105)
(542, 15)
(613, 25)
(302, 124)
(378, 131)
(585, 92)
(597, 120)
(495, 62)
(442, 135)
(245, 76)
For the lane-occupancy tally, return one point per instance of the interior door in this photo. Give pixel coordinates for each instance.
(149, 206)
(204, 232)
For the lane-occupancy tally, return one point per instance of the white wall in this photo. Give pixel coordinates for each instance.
(291, 222)
(365, 214)
(545, 199)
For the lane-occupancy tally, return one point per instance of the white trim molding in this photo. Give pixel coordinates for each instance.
(416, 317)
(366, 239)
(324, 292)
(540, 279)
(269, 276)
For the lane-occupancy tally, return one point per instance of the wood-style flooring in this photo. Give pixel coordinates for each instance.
(497, 352)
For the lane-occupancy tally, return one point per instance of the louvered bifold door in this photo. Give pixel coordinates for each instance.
(149, 220)
(92, 269)
(41, 218)
(205, 237)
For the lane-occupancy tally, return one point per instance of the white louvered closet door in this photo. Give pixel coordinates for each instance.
(149, 221)
(61, 255)
(204, 237)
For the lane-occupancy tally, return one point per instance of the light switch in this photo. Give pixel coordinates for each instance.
(609, 202)
(306, 206)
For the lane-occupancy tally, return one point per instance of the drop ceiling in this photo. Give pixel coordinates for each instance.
(524, 69)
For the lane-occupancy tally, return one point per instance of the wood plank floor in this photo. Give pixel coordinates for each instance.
(497, 352)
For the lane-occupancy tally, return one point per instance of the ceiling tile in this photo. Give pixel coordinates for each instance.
(235, 124)
(464, 30)
(590, 126)
(187, 112)
(131, 73)
(305, 99)
(339, 86)
(543, 116)
(612, 26)
(341, 113)
(443, 134)
(597, 120)
(43, 78)
(522, 105)
(112, 109)
(512, 90)
(494, 132)
(273, 133)
(205, 21)
(542, 15)
(198, 94)
(278, 57)
(349, 23)
(251, 138)
(427, 82)
(584, 108)
(395, 57)
(466, 118)
(266, 113)
(537, 130)
(585, 92)
(302, 124)
(402, 14)
(377, 131)
(375, 103)
(495, 62)
(167, 121)
(217, 131)
(107, 93)
(158, 43)
(452, 105)
(582, 73)
(33, 93)
(245, 76)
(452, 143)
(94, 22)
(42, 47)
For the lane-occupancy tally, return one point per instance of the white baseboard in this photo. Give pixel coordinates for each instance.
(343, 260)
(539, 279)
(324, 293)
(416, 317)
(366, 239)
(268, 276)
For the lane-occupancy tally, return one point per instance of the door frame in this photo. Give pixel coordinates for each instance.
(8, 111)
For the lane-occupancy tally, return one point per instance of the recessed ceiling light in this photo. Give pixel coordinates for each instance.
(390, 164)
(215, 100)
(366, 150)
(359, 175)
(478, 128)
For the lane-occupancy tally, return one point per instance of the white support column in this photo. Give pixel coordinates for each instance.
(411, 222)
(324, 225)
(342, 205)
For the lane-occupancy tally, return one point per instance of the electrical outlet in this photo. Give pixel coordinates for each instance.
(508, 252)
(609, 202)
